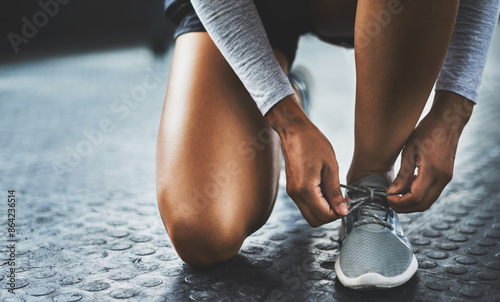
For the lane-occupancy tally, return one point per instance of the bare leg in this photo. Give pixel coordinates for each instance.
(334, 18)
(218, 161)
(399, 51)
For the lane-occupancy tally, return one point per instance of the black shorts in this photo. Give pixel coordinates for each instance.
(284, 21)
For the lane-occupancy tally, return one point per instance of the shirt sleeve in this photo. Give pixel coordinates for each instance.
(463, 66)
(237, 30)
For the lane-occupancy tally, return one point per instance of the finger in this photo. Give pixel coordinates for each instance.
(406, 173)
(307, 213)
(393, 199)
(331, 184)
(318, 204)
(434, 192)
(410, 203)
(414, 201)
(312, 204)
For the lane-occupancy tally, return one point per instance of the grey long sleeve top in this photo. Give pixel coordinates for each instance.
(237, 30)
(463, 66)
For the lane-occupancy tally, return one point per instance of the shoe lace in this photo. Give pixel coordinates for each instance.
(366, 203)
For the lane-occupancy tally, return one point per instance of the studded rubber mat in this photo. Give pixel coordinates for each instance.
(87, 227)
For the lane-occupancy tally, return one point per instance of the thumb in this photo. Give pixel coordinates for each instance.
(334, 192)
(405, 175)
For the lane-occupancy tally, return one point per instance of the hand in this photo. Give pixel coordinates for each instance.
(311, 166)
(431, 148)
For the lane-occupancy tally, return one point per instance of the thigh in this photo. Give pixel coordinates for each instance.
(218, 161)
(333, 18)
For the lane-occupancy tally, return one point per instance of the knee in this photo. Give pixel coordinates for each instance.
(202, 244)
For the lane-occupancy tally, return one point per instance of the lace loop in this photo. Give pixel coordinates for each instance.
(366, 203)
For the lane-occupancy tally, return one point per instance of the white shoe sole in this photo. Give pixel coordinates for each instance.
(374, 280)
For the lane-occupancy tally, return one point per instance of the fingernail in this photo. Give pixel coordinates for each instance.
(391, 189)
(343, 209)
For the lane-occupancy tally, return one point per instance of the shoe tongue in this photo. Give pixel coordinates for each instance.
(373, 181)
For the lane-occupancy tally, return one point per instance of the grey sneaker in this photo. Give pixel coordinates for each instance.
(374, 253)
